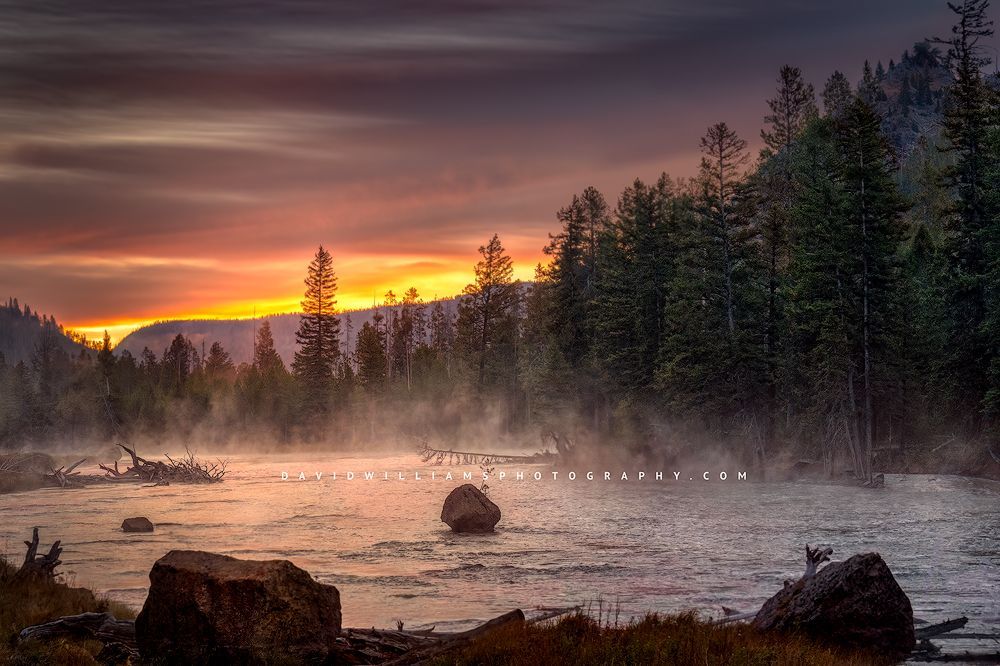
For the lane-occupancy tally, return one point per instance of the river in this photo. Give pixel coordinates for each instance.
(636, 546)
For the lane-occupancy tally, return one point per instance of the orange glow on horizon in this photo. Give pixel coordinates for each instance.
(351, 296)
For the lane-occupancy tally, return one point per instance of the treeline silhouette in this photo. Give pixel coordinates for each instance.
(836, 299)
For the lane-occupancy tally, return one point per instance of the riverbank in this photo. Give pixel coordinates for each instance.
(575, 639)
(31, 601)
(670, 639)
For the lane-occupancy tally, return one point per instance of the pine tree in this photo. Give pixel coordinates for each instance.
(837, 95)
(180, 359)
(874, 207)
(486, 323)
(868, 89)
(635, 263)
(968, 118)
(844, 281)
(265, 357)
(218, 363)
(568, 275)
(318, 335)
(370, 358)
(709, 360)
(106, 357)
(559, 333)
(791, 109)
(723, 160)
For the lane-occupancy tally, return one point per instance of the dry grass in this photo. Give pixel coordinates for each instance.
(685, 640)
(27, 602)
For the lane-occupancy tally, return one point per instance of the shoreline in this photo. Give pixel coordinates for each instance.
(509, 639)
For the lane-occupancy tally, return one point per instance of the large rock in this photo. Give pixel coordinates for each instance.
(467, 509)
(139, 524)
(207, 608)
(855, 604)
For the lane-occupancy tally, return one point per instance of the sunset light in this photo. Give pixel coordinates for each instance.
(508, 332)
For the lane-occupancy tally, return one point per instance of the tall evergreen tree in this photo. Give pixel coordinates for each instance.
(969, 115)
(635, 263)
(218, 363)
(837, 95)
(874, 209)
(793, 106)
(723, 160)
(486, 324)
(570, 278)
(318, 335)
(370, 356)
(844, 280)
(265, 357)
(709, 359)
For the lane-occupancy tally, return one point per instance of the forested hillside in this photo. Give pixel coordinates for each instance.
(22, 331)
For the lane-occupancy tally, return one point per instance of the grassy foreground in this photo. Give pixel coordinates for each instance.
(27, 602)
(573, 640)
(677, 639)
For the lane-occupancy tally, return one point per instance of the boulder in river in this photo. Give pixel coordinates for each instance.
(467, 509)
(855, 604)
(209, 608)
(138, 524)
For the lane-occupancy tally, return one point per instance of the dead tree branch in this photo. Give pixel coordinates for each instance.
(815, 558)
(36, 565)
(187, 469)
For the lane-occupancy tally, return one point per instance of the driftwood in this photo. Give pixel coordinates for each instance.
(65, 477)
(550, 613)
(36, 565)
(945, 627)
(815, 558)
(185, 470)
(926, 651)
(456, 641)
(362, 646)
(100, 626)
(441, 456)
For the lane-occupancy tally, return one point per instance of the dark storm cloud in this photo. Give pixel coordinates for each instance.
(418, 128)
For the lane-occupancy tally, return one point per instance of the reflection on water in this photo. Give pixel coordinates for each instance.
(649, 545)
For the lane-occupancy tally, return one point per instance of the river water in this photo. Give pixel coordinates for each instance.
(638, 546)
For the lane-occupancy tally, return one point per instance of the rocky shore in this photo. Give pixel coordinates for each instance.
(207, 608)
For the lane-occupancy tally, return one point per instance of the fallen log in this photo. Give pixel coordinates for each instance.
(440, 456)
(959, 657)
(735, 617)
(457, 640)
(104, 627)
(945, 627)
(550, 613)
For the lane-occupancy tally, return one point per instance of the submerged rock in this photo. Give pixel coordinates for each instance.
(209, 608)
(855, 604)
(467, 509)
(138, 524)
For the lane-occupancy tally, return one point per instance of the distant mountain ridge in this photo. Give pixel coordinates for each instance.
(236, 335)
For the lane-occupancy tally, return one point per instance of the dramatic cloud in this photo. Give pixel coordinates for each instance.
(161, 159)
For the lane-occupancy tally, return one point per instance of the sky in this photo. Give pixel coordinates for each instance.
(185, 159)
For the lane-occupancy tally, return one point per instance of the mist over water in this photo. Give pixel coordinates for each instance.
(647, 546)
